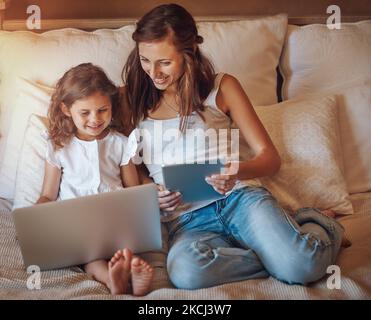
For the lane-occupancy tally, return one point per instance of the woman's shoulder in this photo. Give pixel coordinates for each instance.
(228, 80)
(229, 87)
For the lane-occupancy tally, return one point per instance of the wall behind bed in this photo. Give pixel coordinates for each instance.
(299, 11)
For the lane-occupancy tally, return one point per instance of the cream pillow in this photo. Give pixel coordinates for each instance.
(32, 99)
(31, 164)
(249, 50)
(306, 135)
(254, 48)
(355, 131)
(316, 60)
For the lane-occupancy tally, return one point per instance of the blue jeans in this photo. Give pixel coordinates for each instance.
(248, 235)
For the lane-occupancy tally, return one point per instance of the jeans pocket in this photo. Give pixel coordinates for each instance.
(178, 223)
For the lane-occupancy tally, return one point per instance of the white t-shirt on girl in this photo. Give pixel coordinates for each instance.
(91, 167)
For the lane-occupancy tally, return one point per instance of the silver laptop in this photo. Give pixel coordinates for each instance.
(73, 232)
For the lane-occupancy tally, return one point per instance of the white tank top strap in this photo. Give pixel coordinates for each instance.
(210, 101)
(218, 79)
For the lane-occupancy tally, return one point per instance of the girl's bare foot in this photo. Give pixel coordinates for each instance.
(119, 271)
(141, 276)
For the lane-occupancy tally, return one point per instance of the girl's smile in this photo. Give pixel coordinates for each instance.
(91, 116)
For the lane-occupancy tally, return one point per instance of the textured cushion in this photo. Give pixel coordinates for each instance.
(31, 165)
(254, 47)
(32, 99)
(355, 129)
(306, 135)
(316, 60)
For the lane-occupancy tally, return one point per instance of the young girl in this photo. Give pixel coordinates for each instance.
(246, 234)
(86, 156)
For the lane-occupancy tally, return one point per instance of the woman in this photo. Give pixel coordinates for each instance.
(246, 234)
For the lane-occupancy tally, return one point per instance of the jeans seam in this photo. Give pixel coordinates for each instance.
(231, 239)
(181, 225)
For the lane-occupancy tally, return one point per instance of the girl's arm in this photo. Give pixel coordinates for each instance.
(143, 174)
(52, 180)
(232, 100)
(129, 175)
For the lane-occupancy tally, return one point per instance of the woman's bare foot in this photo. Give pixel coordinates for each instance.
(141, 276)
(119, 271)
(329, 213)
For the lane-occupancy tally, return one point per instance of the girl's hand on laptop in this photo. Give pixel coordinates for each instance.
(168, 200)
(226, 180)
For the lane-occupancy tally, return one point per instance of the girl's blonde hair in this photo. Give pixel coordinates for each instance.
(78, 83)
(198, 78)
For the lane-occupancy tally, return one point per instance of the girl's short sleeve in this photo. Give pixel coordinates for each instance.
(130, 148)
(52, 155)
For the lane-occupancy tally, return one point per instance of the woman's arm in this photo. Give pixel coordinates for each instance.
(51, 183)
(232, 100)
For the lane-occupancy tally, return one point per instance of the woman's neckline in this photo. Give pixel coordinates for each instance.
(167, 119)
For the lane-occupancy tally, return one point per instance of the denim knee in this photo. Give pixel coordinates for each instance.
(186, 274)
(303, 269)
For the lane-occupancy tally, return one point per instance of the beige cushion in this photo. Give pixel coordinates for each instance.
(250, 51)
(31, 165)
(306, 135)
(32, 99)
(316, 60)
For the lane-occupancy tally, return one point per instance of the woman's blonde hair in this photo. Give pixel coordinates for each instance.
(198, 78)
(78, 83)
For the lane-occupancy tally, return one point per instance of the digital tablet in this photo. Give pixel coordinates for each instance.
(189, 180)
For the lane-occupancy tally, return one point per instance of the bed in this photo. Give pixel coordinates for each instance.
(304, 82)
